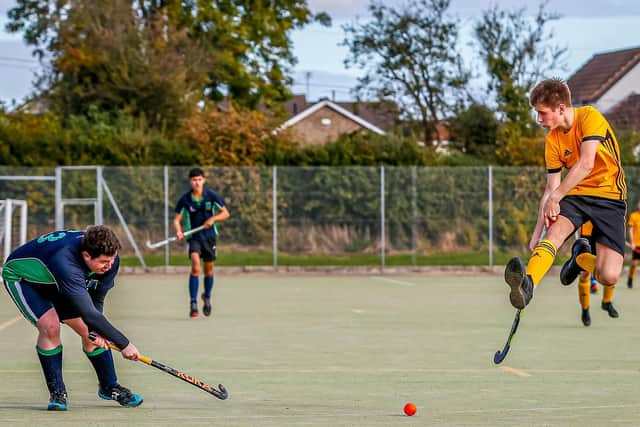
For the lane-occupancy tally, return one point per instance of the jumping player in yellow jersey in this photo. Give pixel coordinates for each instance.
(581, 140)
(634, 239)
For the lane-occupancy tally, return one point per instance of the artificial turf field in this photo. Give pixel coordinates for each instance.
(344, 351)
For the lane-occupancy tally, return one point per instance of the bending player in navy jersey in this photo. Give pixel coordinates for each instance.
(65, 276)
(198, 207)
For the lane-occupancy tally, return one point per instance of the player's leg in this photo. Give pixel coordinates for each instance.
(522, 280)
(208, 257)
(195, 250)
(635, 256)
(608, 268)
(35, 305)
(102, 362)
(584, 295)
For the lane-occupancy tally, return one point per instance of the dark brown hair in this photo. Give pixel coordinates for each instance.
(100, 240)
(550, 93)
(196, 172)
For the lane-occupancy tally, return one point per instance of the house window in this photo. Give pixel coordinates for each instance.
(325, 121)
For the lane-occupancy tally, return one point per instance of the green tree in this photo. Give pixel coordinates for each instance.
(409, 55)
(517, 51)
(161, 58)
(475, 129)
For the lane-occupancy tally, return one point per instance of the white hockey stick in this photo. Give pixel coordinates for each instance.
(172, 239)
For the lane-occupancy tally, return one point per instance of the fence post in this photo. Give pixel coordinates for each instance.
(58, 196)
(165, 172)
(490, 216)
(98, 214)
(275, 216)
(382, 219)
(414, 213)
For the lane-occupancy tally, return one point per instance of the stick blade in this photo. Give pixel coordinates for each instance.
(500, 355)
(223, 392)
(153, 245)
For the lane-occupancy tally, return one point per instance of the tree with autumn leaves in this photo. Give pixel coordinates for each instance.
(161, 58)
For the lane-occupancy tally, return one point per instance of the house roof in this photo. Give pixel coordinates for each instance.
(625, 115)
(601, 72)
(383, 115)
(326, 103)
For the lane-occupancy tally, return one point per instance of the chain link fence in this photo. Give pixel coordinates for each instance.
(382, 216)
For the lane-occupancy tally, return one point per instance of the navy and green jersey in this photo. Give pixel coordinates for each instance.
(196, 212)
(55, 259)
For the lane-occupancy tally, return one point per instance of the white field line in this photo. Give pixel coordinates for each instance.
(397, 282)
(540, 409)
(8, 323)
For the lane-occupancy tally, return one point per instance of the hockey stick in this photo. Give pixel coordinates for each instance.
(500, 355)
(221, 392)
(172, 239)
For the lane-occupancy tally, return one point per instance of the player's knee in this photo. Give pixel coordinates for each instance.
(49, 329)
(608, 278)
(195, 270)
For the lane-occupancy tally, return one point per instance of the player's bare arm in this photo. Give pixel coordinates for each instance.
(553, 181)
(177, 224)
(577, 173)
(222, 215)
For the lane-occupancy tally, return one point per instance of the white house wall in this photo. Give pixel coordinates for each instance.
(628, 84)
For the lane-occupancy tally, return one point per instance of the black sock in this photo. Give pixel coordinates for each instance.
(102, 361)
(51, 362)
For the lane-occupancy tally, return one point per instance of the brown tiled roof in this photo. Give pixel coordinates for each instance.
(625, 115)
(600, 73)
(381, 114)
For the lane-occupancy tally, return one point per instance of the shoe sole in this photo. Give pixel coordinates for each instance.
(56, 407)
(514, 276)
(571, 270)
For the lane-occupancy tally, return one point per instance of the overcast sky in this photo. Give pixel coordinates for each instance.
(587, 27)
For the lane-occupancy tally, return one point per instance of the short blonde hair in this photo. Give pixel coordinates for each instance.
(550, 93)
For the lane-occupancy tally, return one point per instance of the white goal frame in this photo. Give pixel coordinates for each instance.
(7, 207)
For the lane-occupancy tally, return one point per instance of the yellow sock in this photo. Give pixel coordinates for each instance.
(584, 291)
(587, 262)
(632, 271)
(607, 293)
(541, 260)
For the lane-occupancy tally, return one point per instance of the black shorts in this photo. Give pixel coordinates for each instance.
(635, 255)
(607, 216)
(206, 249)
(592, 242)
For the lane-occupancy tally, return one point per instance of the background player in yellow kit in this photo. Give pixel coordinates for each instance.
(586, 282)
(634, 239)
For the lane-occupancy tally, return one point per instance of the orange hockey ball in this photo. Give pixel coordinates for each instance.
(410, 409)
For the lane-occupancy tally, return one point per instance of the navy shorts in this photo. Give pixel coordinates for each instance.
(206, 249)
(35, 299)
(607, 216)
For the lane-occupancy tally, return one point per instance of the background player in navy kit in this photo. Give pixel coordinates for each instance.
(199, 207)
(65, 276)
